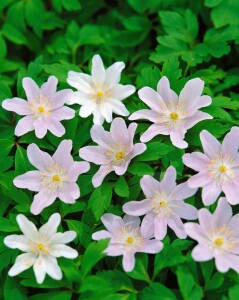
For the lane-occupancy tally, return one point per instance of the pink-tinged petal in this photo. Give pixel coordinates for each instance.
(60, 98)
(191, 92)
(49, 87)
(41, 200)
(98, 70)
(202, 253)
(196, 161)
(106, 111)
(176, 224)
(62, 113)
(112, 223)
(100, 175)
(101, 137)
(160, 228)
(23, 262)
(87, 109)
(210, 193)
(100, 235)
(233, 262)
(210, 144)
(19, 106)
(201, 179)
(137, 150)
(152, 131)
(52, 268)
(196, 104)
(183, 191)
(128, 261)
(78, 168)
(82, 82)
(119, 132)
(206, 220)
(113, 74)
(30, 87)
(94, 154)
(62, 155)
(131, 131)
(151, 246)
(113, 250)
(132, 221)
(233, 224)
(98, 118)
(39, 159)
(120, 92)
(185, 211)
(147, 226)
(69, 192)
(55, 127)
(230, 144)
(27, 227)
(165, 92)
(60, 250)
(137, 208)
(49, 229)
(195, 231)
(149, 186)
(224, 262)
(20, 242)
(223, 213)
(40, 128)
(39, 269)
(168, 183)
(231, 191)
(151, 98)
(24, 125)
(30, 180)
(121, 169)
(176, 137)
(197, 117)
(119, 108)
(145, 114)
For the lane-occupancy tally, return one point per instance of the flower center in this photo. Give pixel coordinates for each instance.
(117, 153)
(222, 168)
(40, 106)
(223, 239)
(99, 94)
(219, 242)
(173, 116)
(40, 246)
(54, 177)
(41, 109)
(130, 240)
(120, 155)
(162, 203)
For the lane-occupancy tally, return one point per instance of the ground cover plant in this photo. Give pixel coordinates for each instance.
(119, 170)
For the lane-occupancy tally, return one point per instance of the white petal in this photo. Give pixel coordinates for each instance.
(27, 227)
(52, 268)
(50, 227)
(17, 242)
(39, 269)
(23, 262)
(63, 237)
(98, 70)
(60, 250)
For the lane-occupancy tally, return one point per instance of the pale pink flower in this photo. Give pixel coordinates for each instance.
(43, 110)
(100, 94)
(42, 248)
(56, 176)
(171, 114)
(217, 235)
(218, 167)
(126, 238)
(115, 150)
(163, 206)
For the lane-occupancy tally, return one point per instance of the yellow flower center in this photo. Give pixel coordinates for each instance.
(41, 109)
(130, 240)
(40, 247)
(99, 94)
(219, 241)
(119, 155)
(174, 116)
(222, 168)
(162, 203)
(56, 178)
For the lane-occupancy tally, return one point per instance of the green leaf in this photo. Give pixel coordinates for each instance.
(13, 34)
(121, 187)
(156, 291)
(12, 290)
(154, 151)
(233, 292)
(65, 295)
(140, 271)
(149, 76)
(22, 164)
(83, 231)
(140, 169)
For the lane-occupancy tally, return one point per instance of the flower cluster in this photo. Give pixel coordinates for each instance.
(165, 202)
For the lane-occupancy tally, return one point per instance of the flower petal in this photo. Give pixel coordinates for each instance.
(230, 143)
(137, 208)
(176, 224)
(23, 262)
(222, 214)
(195, 118)
(20, 242)
(138, 149)
(165, 92)
(101, 137)
(69, 192)
(160, 228)
(191, 92)
(195, 232)
(30, 87)
(39, 269)
(183, 191)
(30, 180)
(78, 168)
(41, 200)
(121, 169)
(145, 114)
(102, 234)
(177, 138)
(50, 228)
(168, 183)
(150, 186)
(49, 87)
(98, 70)
(63, 237)
(24, 125)
(82, 82)
(196, 161)
(210, 194)
(119, 132)
(112, 223)
(100, 175)
(151, 98)
(58, 99)
(152, 131)
(55, 127)
(147, 226)
(94, 154)
(201, 179)
(120, 92)
(210, 144)
(151, 246)
(40, 128)
(60, 250)
(39, 159)
(132, 221)
(128, 261)
(62, 113)
(52, 268)
(202, 253)
(62, 155)
(113, 74)
(185, 211)
(119, 108)
(18, 105)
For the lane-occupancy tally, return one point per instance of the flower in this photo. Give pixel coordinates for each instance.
(115, 150)
(56, 176)
(217, 236)
(172, 115)
(100, 94)
(126, 238)
(163, 206)
(43, 109)
(41, 248)
(218, 167)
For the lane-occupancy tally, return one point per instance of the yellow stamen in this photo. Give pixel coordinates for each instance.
(174, 116)
(56, 178)
(40, 246)
(162, 203)
(99, 94)
(41, 109)
(129, 240)
(119, 155)
(222, 168)
(219, 241)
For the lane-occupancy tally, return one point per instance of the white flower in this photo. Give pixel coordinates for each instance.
(42, 248)
(100, 94)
